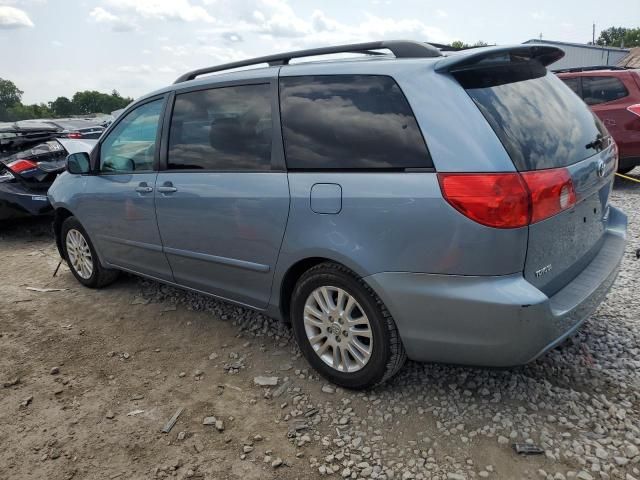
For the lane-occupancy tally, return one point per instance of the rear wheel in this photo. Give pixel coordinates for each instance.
(343, 328)
(81, 256)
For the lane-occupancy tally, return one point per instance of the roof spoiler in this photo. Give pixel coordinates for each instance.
(484, 57)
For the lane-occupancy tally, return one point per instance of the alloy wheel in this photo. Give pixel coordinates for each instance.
(338, 329)
(79, 254)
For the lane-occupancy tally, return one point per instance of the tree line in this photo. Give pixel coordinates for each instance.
(82, 103)
(611, 37)
(460, 44)
(619, 37)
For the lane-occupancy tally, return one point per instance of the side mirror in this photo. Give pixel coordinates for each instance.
(78, 163)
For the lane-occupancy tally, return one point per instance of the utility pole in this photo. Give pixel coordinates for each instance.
(593, 34)
(540, 35)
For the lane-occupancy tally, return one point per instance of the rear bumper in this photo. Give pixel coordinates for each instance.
(495, 321)
(16, 201)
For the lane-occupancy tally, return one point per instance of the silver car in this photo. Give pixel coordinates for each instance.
(450, 208)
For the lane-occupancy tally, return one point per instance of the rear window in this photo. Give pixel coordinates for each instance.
(597, 90)
(541, 123)
(349, 122)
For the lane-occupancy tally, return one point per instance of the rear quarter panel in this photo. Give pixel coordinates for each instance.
(394, 222)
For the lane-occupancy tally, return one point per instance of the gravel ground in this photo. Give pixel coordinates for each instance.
(580, 403)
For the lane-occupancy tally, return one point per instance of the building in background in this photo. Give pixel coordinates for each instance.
(582, 55)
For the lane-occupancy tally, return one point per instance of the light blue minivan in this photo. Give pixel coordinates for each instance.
(449, 207)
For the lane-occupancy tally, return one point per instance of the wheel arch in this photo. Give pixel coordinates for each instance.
(295, 270)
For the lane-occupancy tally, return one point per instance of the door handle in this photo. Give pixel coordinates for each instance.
(167, 187)
(144, 188)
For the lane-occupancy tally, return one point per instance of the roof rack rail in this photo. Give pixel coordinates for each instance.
(400, 48)
(588, 69)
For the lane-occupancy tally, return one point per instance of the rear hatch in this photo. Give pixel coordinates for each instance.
(549, 133)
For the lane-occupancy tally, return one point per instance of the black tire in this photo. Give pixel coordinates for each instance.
(625, 170)
(387, 355)
(100, 276)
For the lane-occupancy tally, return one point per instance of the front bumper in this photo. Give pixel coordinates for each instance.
(495, 321)
(16, 201)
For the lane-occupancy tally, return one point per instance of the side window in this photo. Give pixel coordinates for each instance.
(572, 83)
(597, 90)
(349, 122)
(130, 147)
(226, 128)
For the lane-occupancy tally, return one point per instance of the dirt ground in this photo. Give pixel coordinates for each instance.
(90, 377)
(116, 356)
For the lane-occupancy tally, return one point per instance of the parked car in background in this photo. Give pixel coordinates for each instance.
(614, 96)
(77, 128)
(467, 222)
(26, 175)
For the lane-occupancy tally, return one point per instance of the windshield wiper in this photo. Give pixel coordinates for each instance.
(596, 144)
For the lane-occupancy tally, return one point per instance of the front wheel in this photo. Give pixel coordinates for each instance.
(81, 256)
(344, 330)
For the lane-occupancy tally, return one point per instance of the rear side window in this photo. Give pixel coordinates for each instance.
(572, 83)
(225, 128)
(349, 122)
(597, 90)
(540, 122)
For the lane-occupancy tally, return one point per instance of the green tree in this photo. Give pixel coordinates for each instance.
(632, 38)
(460, 44)
(25, 112)
(96, 102)
(62, 107)
(86, 102)
(619, 36)
(10, 95)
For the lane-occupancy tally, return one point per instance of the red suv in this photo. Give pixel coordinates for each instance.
(614, 96)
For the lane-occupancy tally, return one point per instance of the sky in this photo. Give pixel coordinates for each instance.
(54, 48)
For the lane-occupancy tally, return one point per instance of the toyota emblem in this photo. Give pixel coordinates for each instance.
(600, 168)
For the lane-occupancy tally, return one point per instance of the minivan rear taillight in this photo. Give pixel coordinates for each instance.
(499, 200)
(551, 192)
(509, 200)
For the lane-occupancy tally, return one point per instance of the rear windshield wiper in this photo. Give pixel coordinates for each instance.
(596, 144)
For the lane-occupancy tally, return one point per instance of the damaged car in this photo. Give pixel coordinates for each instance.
(16, 136)
(26, 175)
